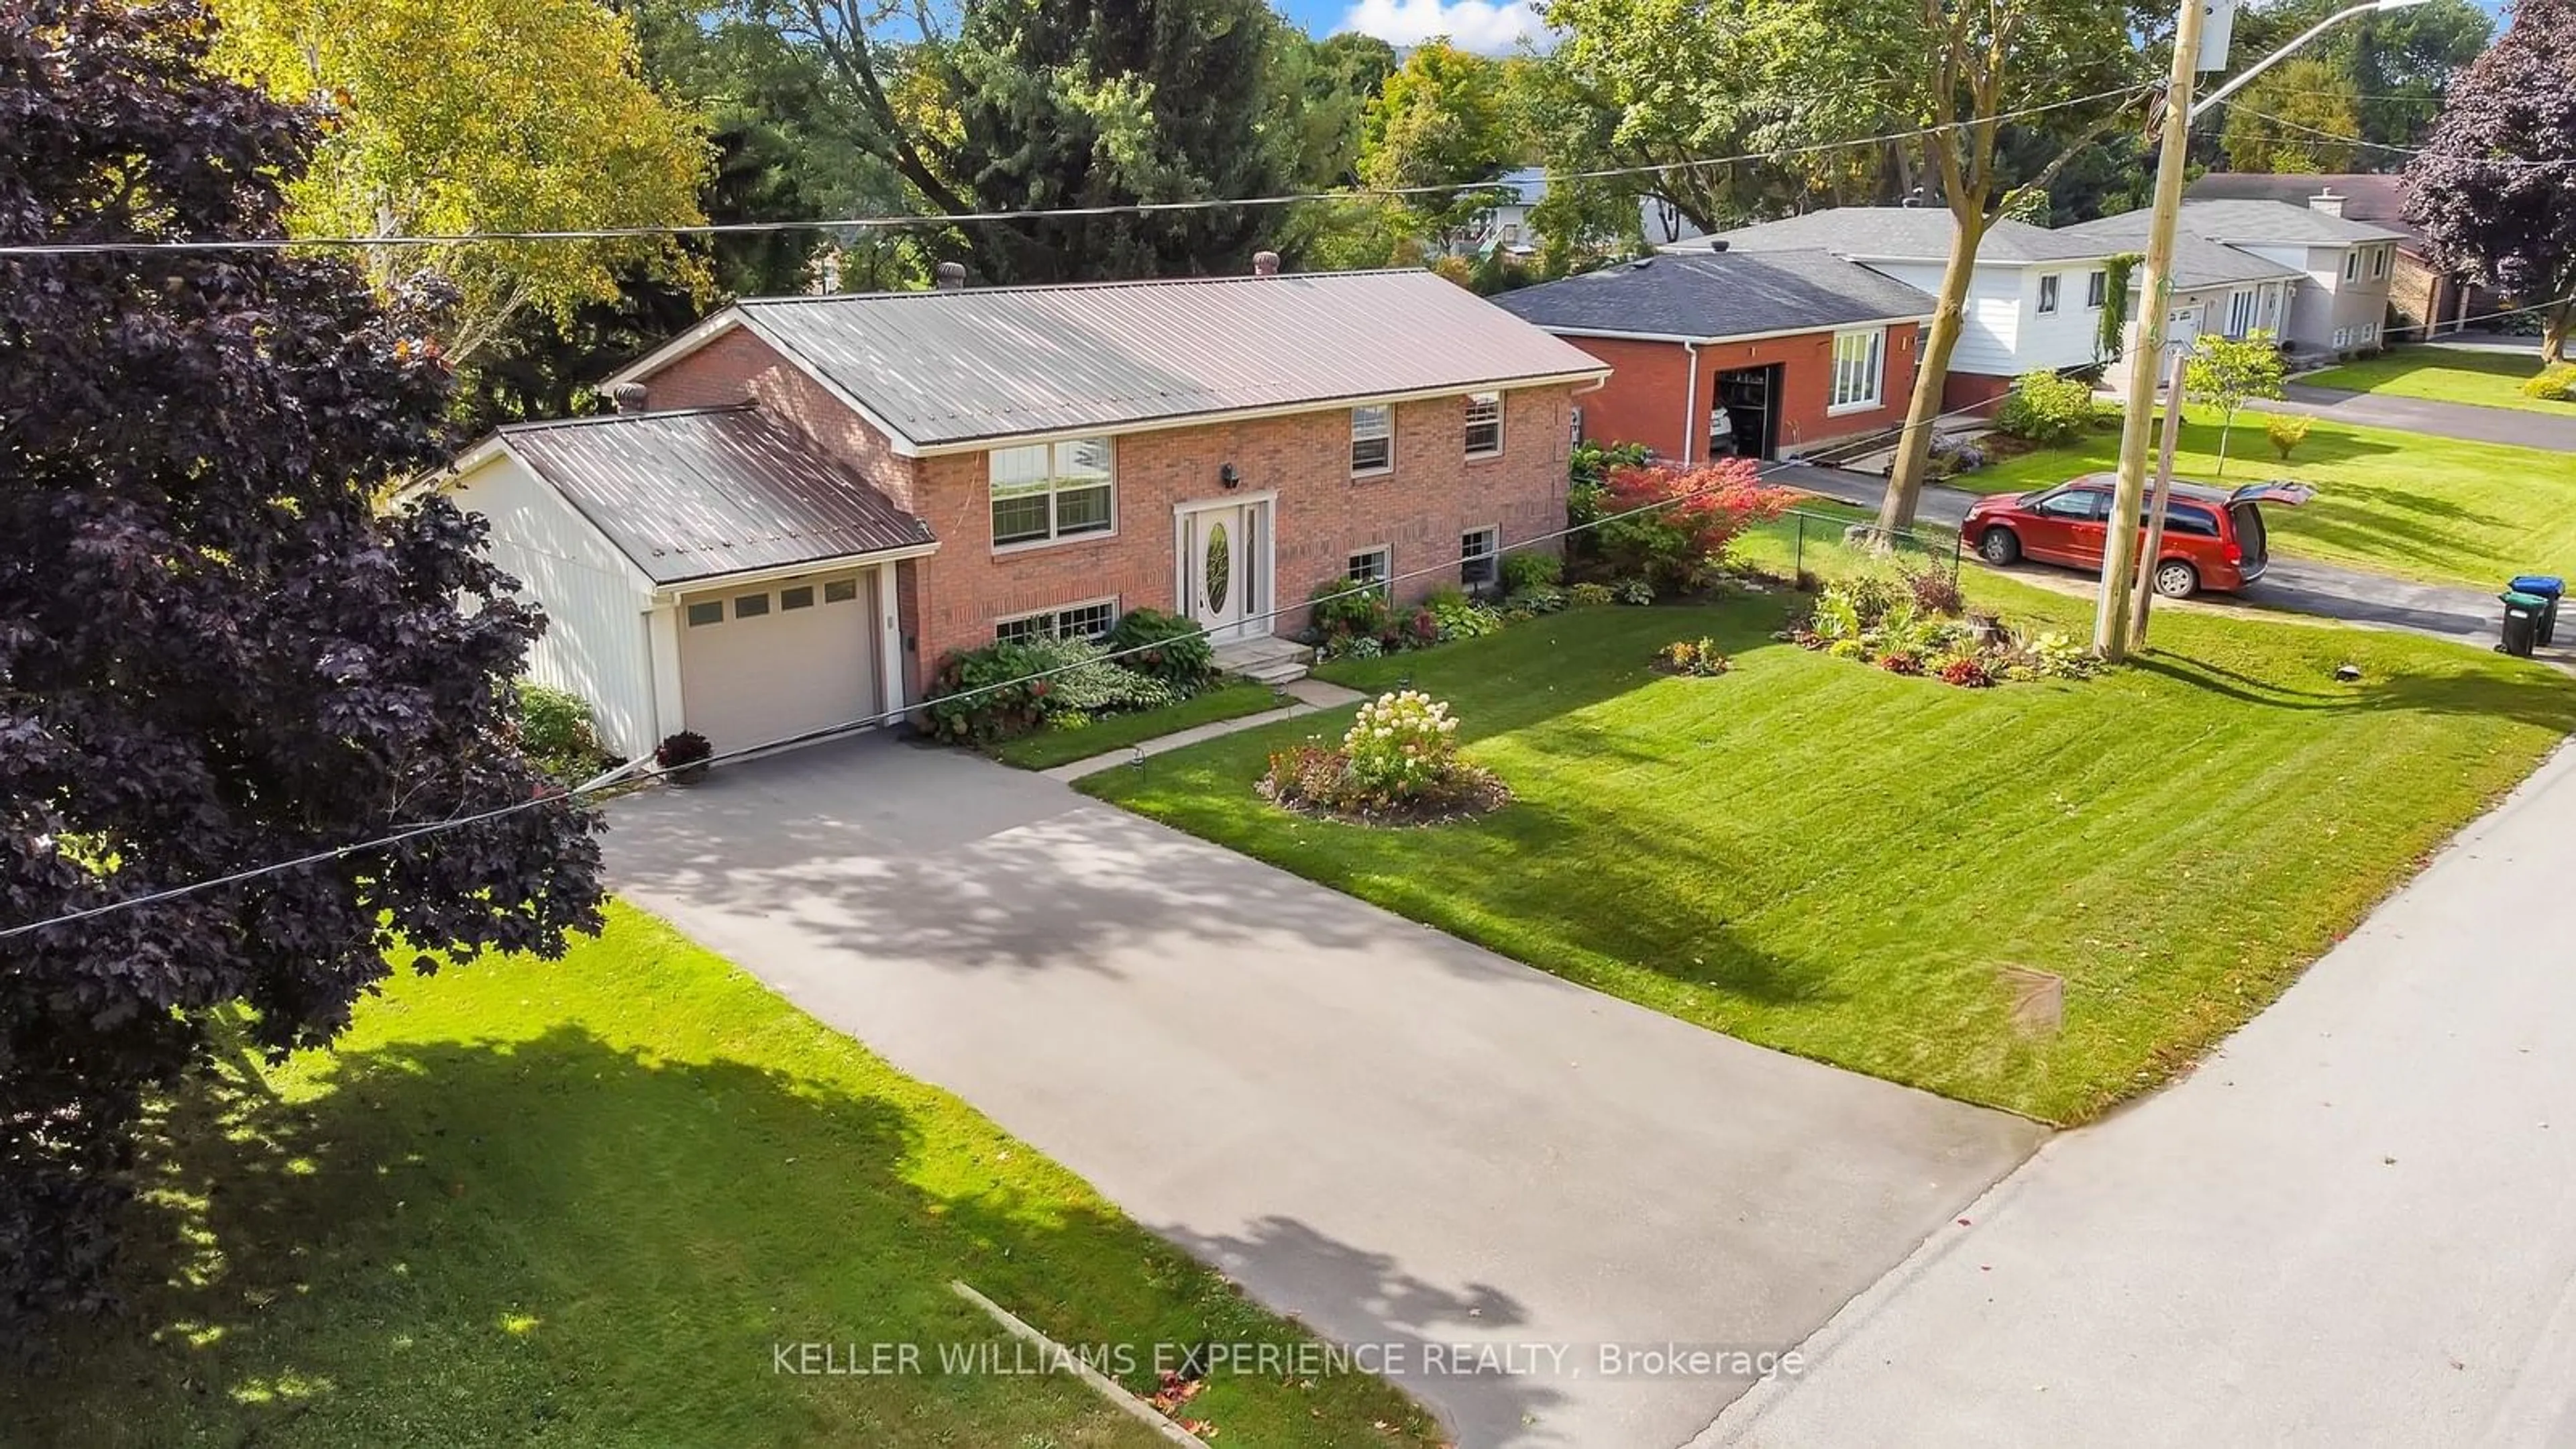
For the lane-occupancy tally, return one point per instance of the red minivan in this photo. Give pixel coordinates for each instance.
(2214, 537)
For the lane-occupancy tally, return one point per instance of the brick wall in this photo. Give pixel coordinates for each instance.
(951, 599)
(1648, 397)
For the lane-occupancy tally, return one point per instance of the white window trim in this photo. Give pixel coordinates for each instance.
(1053, 539)
(2043, 305)
(1495, 531)
(1352, 418)
(2102, 276)
(1054, 610)
(1481, 454)
(2352, 265)
(1386, 561)
(1878, 382)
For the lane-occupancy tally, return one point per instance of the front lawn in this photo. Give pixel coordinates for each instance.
(2424, 507)
(1818, 856)
(2446, 374)
(582, 1204)
(1048, 748)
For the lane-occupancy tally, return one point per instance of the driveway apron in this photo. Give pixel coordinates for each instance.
(1413, 1144)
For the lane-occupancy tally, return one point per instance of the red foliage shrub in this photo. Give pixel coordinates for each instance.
(1671, 526)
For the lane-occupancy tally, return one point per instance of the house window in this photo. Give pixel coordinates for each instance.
(1048, 491)
(2047, 294)
(1574, 426)
(1860, 358)
(751, 606)
(2097, 289)
(1372, 440)
(2379, 261)
(1511, 234)
(799, 597)
(2240, 313)
(706, 611)
(2351, 266)
(1074, 621)
(1370, 566)
(1477, 550)
(2343, 337)
(1484, 424)
(840, 591)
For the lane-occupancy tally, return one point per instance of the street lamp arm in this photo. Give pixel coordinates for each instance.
(2237, 82)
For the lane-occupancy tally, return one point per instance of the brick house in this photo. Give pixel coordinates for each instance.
(804, 503)
(1742, 354)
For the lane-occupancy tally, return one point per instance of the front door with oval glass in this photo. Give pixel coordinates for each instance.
(1224, 566)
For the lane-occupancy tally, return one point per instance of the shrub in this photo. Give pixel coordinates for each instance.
(1422, 629)
(1366, 646)
(1633, 591)
(1348, 609)
(681, 750)
(2045, 656)
(1399, 744)
(1698, 657)
(1167, 646)
(1587, 481)
(1671, 527)
(2554, 383)
(556, 731)
(1524, 572)
(1966, 671)
(1460, 617)
(1007, 689)
(1835, 617)
(1588, 596)
(1898, 661)
(2046, 408)
(1952, 456)
(1935, 590)
(1543, 599)
(2286, 432)
(1868, 597)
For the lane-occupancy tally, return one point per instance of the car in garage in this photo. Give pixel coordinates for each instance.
(2214, 537)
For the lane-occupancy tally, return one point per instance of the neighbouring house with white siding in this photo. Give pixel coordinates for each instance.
(2323, 282)
(2035, 297)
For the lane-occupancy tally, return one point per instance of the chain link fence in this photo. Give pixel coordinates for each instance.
(1832, 544)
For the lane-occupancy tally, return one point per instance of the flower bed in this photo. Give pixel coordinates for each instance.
(1693, 658)
(1398, 765)
(1916, 623)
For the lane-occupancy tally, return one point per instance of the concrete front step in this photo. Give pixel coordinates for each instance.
(1265, 661)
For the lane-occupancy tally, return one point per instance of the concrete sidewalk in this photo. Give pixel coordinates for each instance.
(1410, 1142)
(2350, 1226)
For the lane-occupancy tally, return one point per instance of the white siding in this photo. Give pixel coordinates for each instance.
(2066, 337)
(1991, 326)
(596, 644)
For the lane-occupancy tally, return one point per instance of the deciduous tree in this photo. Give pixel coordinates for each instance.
(214, 651)
(2226, 373)
(1446, 118)
(456, 116)
(2302, 117)
(2491, 193)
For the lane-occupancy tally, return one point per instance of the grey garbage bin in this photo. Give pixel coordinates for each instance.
(2542, 586)
(2521, 622)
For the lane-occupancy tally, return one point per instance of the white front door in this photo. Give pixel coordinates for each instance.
(1225, 556)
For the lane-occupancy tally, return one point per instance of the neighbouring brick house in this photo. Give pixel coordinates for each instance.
(805, 502)
(1737, 354)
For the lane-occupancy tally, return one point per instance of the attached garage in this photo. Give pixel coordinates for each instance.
(702, 569)
(777, 660)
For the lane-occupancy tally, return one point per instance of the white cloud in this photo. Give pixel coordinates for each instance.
(1478, 25)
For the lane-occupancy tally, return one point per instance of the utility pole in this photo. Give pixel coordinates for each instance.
(2158, 497)
(2155, 301)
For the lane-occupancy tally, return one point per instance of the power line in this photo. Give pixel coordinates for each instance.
(626, 774)
(910, 222)
(2510, 162)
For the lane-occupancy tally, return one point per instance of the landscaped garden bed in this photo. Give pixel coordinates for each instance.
(1842, 862)
(582, 1203)
(1398, 764)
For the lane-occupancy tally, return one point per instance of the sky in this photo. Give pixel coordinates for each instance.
(1494, 27)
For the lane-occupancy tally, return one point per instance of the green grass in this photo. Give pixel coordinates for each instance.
(1818, 856)
(1049, 748)
(1810, 536)
(577, 1204)
(2422, 507)
(2446, 374)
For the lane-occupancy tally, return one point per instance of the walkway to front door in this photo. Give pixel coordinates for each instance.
(1224, 557)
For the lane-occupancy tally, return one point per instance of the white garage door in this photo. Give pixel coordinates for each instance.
(763, 663)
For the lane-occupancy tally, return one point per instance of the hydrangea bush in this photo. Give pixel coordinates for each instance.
(1398, 761)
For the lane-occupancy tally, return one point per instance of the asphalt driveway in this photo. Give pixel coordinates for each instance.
(2465, 421)
(1409, 1142)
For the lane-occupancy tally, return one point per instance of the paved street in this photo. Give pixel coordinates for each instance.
(2348, 1227)
(2465, 421)
(1404, 1139)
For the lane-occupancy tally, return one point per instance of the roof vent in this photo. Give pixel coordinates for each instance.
(627, 397)
(2327, 201)
(952, 276)
(1265, 264)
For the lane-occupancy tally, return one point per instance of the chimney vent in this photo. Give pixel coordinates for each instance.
(627, 397)
(1265, 264)
(2327, 201)
(952, 276)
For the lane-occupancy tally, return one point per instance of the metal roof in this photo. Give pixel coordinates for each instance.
(700, 493)
(1720, 294)
(2198, 261)
(1907, 233)
(960, 366)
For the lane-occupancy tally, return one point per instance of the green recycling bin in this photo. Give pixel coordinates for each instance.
(2521, 622)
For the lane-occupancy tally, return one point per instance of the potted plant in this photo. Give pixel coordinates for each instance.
(683, 757)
